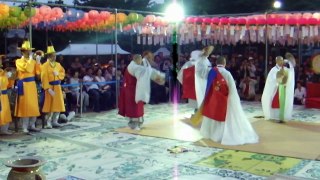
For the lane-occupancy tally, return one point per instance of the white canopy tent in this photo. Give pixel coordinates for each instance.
(163, 50)
(91, 49)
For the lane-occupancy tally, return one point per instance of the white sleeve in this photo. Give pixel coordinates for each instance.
(86, 79)
(296, 93)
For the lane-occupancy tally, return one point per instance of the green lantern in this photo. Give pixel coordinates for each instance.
(23, 17)
(140, 18)
(29, 11)
(133, 17)
(15, 11)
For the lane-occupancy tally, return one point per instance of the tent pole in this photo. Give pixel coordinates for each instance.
(30, 24)
(97, 58)
(266, 40)
(116, 58)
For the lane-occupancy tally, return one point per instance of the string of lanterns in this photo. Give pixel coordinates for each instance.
(284, 29)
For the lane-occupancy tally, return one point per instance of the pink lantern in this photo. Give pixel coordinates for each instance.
(104, 15)
(241, 21)
(312, 21)
(158, 21)
(224, 21)
(292, 21)
(261, 20)
(86, 17)
(280, 21)
(56, 12)
(93, 14)
(303, 21)
(150, 18)
(271, 21)
(188, 20)
(206, 20)
(215, 20)
(307, 15)
(43, 10)
(199, 20)
(233, 21)
(251, 21)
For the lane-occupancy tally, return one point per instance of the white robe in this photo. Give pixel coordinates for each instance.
(237, 129)
(193, 60)
(270, 90)
(144, 73)
(202, 68)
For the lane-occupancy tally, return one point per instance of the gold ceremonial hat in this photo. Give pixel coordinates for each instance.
(26, 46)
(50, 50)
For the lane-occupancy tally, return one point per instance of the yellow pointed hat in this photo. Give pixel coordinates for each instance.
(50, 50)
(26, 46)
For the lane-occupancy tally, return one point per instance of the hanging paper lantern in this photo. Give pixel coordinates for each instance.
(15, 11)
(158, 21)
(43, 10)
(140, 18)
(233, 21)
(251, 21)
(4, 11)
(224, 21)
(23, 17)
(206, 20)
(57, 13)
(280, 21)
(29, 11)
(93, 14)
(133, 17)
(121, 17)
(150, 19)
(104, 15)
(271, 20)
(312, 21)
(215, 20)
(188, 20)
(241, 21)
(303, 21)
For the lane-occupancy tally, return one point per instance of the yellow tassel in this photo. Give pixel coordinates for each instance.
(196, 119)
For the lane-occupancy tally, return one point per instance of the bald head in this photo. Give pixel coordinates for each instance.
(221, 61)
(137, 58)
(279, 60)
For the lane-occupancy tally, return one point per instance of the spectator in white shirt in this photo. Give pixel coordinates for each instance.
(299, 94)
(93, 90)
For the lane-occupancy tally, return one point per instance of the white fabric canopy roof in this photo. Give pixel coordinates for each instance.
(90, 49)
(164, 50)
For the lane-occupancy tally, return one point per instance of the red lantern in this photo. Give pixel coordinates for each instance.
(93, 14)
(104, 15)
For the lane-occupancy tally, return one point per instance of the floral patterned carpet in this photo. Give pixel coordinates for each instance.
(89, 148)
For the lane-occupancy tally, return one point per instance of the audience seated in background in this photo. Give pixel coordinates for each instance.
(299, 94)
(247, 88)
(93, 90)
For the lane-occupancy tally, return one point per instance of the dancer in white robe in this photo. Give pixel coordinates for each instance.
(193, 60)
(202, 68)
(223, 119)
(271, 101)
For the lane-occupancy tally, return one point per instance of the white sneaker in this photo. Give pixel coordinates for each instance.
(25, 130)
(34, 129)
(49, 126)
(55, 124)
(6, 133)
(63, 117)
(71, 115)
(137, 128)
